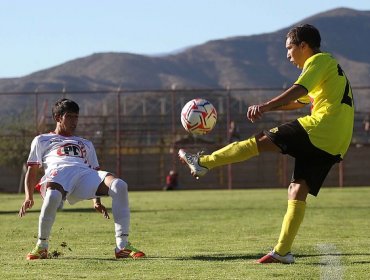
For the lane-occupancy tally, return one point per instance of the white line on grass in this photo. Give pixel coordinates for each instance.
(331, 267)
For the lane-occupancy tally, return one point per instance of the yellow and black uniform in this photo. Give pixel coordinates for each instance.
(316, 141)
(330, 124)
(319, 140)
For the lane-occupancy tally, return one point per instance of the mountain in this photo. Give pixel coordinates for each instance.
(237, 62)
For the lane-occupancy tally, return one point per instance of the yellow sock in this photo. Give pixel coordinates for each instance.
(291, 223)
(234, 152)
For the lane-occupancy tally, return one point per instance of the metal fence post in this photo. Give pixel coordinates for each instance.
(118, 134)
(341, 175)
(228, 135)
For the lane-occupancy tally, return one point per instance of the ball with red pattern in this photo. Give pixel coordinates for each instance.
(198, 116)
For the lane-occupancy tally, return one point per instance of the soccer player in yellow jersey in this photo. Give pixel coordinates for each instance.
(316, 141)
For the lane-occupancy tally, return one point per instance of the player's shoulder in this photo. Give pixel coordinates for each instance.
(83, 140)
(41, 140)
(44, 136)
(323, 57)
(322, 62)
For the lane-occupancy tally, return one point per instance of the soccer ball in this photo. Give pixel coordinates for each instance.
(198, 116)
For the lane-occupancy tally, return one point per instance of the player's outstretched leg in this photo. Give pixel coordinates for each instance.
(232, 153)
(52, 200)
(121, 214)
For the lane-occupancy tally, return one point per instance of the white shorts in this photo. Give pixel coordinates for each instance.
(79, 183)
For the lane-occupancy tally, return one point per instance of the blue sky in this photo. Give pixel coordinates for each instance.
(38, 34)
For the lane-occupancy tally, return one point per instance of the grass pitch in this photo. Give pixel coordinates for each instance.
(214, 234)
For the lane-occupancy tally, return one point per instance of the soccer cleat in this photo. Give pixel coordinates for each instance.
(192, 161)
(128, 252)
(37, 253)
(274, 257)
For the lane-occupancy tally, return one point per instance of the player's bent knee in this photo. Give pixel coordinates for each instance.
(298, 191)
(53, 196)
(52, 201)
(118, 187)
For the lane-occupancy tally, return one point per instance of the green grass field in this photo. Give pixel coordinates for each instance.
(195, 235)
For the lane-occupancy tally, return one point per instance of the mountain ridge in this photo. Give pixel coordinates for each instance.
(241, 61)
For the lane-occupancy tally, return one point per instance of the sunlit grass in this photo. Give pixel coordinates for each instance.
(194, 235)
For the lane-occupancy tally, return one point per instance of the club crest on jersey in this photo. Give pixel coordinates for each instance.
(71, 150)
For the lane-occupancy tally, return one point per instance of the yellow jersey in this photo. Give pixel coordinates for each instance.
(330, 124)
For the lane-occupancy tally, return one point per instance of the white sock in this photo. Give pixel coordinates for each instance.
(121, 211)
(48, 212)
(43, 243)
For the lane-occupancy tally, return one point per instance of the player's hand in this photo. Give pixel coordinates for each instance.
(254, 113)
(27, 204)
(101, 209)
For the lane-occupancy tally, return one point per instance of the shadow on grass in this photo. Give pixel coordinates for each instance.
(77, 210)
(258, 256)
(91, 209)
(211, 258)
(255, 257)
(222, 258)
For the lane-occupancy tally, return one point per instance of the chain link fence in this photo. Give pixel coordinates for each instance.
(137, 135)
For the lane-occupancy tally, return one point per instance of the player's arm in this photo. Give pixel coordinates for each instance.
(31, 180)
(293, 105)
(285, 101)
(92, 159)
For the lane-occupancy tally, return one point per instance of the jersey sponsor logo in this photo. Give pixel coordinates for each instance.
(71, 150)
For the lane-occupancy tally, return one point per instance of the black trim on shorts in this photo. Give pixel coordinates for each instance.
(311, 163)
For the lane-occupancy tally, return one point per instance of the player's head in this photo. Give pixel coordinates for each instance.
(63, 106)
(305, 33)
(302, 42)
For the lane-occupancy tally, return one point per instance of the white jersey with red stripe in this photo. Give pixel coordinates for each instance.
(54, 151)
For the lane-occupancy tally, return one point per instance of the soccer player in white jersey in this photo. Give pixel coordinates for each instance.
(72, 173)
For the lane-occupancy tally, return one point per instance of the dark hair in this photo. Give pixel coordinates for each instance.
(63, 106)
(305, 33)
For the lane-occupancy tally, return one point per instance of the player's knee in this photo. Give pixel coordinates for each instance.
(53, 197)
(52, 201)
(292, 189)
(118, 187)
(298, 191)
